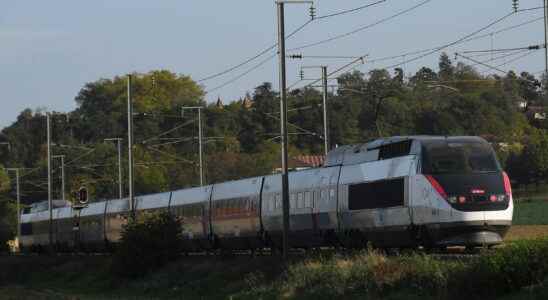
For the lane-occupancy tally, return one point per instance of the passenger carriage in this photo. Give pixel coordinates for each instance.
(432, 191)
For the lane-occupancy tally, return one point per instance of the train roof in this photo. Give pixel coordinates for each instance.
(370, 151)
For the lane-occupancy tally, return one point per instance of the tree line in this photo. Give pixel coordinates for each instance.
(241, 137)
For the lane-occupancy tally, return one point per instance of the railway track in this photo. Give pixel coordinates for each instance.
(455, 253)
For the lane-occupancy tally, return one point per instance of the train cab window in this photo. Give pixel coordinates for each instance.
(307, 200)
(377, 194)
(300, 200)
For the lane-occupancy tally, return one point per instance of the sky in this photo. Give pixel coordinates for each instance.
(50, 49)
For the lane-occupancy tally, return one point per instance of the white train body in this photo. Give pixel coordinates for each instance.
(392, 192)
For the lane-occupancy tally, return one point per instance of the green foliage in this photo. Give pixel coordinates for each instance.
(243, 140)
(510, 268)
(530, 212)
(7, 212)
(511, 272)
(149, 242)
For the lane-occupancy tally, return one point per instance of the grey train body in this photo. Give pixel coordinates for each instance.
(392, 192)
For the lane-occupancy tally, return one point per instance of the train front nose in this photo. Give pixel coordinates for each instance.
(481, 207)
(476, 192)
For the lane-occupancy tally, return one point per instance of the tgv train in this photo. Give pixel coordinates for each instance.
(393, 192)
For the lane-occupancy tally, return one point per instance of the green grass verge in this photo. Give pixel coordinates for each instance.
(530, 212)
(517, 271)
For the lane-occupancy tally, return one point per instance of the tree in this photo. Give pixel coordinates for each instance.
(447, 70)
(7, 212)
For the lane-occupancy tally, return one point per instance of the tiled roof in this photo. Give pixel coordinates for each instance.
(308, 160)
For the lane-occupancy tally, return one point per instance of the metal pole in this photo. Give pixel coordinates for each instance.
(62, 157)
(200, 138)
(283, 127)
(130, 147)
(120, 195)
(63, 176)
(545, 3)
(50, 200)
(200, 145)
(325, 124)
(18, 203)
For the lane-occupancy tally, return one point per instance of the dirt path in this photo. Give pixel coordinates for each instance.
(519, 232)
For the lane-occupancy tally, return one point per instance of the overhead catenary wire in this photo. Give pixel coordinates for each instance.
(361, 58)
(515, 59)
(348, 11)
(243, 74)
(460, 40)
(391, 57)
(168, 131)
(266, 50)
(261, 53)
(506, 55)
(505, 29)
(482, 63)
(362, 28)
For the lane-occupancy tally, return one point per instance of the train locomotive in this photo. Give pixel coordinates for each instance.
(396, 192)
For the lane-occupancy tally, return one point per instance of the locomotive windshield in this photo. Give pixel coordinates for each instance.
(462, 157)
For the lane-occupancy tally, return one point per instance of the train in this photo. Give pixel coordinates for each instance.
(395, 192)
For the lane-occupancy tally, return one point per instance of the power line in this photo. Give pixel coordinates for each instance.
(465, 41)
(344, 12)
(361, 58)
(505, 29)
(245, 62)
(360, 28)
(460, 40)
(168, 131)
(482, 63)
(266, 50)
(243, 74)
(501, 56)
(532, 47)
(515, 59)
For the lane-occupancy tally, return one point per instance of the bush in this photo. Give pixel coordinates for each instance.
(516, 265)
(149, 242)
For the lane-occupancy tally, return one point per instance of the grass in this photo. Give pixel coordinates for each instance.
(518, 270)
(534, 212)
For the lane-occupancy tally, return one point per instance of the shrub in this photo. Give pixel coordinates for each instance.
(149, 242)
(516, 265)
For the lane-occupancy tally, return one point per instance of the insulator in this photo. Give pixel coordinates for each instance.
(301, 74)
(312, 12)
(515, 5)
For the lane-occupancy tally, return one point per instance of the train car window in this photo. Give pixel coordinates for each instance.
(332, 194)
(292, 201)
(278, 201)
(307, 199)
(395, 150)
(378, 194)
(300, 200)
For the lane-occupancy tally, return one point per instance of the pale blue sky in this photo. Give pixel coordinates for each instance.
(50, 49)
